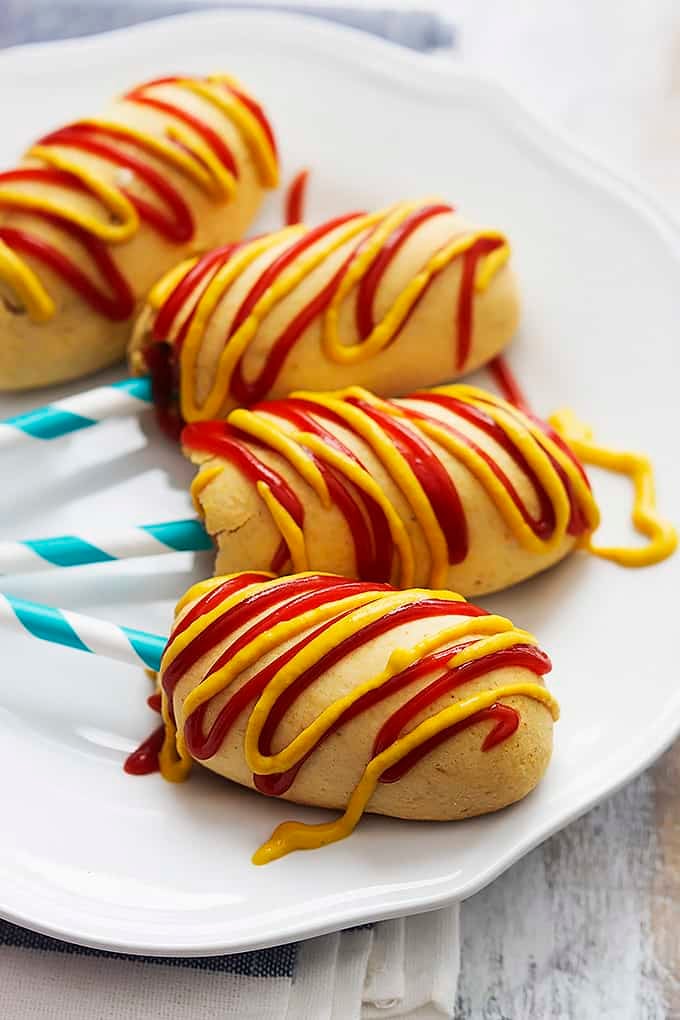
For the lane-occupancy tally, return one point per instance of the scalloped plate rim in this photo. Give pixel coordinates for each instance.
(371, 55)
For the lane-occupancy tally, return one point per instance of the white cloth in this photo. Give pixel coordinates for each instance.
(403, 968)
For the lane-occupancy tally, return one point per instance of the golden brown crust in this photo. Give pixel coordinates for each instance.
(423, 353)
(456, 780)
(247, 536)
(78, 340)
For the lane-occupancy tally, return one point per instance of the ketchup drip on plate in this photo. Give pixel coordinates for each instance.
(507, 383)
(154, 701)
(295, 199)
(144, 759)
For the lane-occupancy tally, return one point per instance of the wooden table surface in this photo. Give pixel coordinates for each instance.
(588, 925)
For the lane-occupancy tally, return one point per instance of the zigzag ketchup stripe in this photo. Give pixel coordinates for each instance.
(318, 621)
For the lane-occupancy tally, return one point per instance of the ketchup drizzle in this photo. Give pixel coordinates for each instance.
(210, 137)
(220, 439)
(432, 476)
(263, 609)
(179, 227)
(171, 218)
(371, 281)
(295, 199)
(374, 547)
(247, 392)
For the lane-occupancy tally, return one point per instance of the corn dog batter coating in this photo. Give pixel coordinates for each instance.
(99, 209)
(354, 696)
(408, 296)
(452, 488)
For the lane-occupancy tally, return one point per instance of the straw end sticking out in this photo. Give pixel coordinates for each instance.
(127, 397)
(60, 551)
(84, 633)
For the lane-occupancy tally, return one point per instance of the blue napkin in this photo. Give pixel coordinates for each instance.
(24, 21)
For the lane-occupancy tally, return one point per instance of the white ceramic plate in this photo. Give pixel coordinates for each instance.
(91, 855)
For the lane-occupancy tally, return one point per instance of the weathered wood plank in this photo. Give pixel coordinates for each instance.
(665, 899)
(586, 926)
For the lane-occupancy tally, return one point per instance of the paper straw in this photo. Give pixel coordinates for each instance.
(79, 412)
(31, 555)
(86, 633)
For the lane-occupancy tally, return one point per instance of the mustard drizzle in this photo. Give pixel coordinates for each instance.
(175, 770)
(382, 333)
(663, 537)
(490, 634)
(195, 160)
(384, 222)
(25, 284)
(218, 284)
(540, 451)
(118, 224)
(529, 438)
(289, 836)
(189, 155)
(252, 131)
(290, 530)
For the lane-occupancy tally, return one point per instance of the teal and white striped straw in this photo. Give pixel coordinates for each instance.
(86, 633)
(28, 556)
(80, 412)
